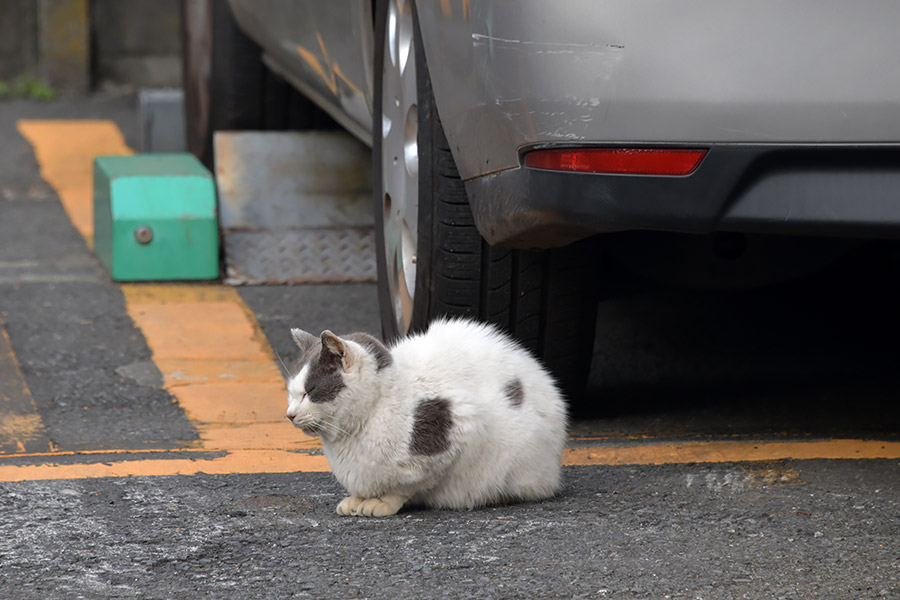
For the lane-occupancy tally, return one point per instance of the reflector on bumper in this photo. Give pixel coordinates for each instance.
(620, 161)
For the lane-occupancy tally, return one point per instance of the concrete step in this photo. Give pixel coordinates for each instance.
(295, 207)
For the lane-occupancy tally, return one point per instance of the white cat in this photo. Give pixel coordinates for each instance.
(456, 417)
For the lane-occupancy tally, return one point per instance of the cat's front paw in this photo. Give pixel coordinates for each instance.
(380, 507)
(348, 505)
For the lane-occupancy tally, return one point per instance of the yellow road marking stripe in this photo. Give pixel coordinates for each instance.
(220, 368)
(731, 451)
(195, 331)
(65, 151)
(280, 461)
(215, 360)
(236, 461)
(21, 426)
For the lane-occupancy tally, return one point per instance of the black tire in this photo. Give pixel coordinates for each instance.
(227, 86)
(545, 299)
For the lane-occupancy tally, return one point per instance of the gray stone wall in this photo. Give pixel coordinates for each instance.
(136, 42)
(64, 44)
(18, 38)
(130, 43)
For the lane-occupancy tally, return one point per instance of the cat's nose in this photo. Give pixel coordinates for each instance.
(290, 417)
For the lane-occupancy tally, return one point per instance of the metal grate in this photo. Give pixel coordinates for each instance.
(300, 256)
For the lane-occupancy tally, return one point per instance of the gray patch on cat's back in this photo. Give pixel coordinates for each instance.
(431, 427)
(374, 347)
(514, 392)
(323, 379)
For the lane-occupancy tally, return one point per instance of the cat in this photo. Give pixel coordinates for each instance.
(457, 417)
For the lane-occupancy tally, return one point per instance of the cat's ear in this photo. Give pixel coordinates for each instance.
(336, 347)
(303, 339)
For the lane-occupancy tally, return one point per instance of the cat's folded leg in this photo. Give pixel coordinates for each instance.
(381, 507)
(348, 505)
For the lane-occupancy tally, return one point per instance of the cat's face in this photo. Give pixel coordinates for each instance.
(334, 380)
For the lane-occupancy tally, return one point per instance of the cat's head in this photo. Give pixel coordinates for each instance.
(334, 381)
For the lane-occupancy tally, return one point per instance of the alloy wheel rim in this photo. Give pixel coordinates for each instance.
(400, 160)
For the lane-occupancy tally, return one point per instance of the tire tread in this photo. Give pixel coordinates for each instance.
(542, 298)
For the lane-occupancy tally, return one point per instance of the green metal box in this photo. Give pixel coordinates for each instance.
(155, 217)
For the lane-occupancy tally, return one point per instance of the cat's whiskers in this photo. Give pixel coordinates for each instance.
(284, 368)
(323, 424)
(330, 427)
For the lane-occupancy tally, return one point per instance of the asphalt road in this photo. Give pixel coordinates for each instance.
(810, 530)
(810, 360)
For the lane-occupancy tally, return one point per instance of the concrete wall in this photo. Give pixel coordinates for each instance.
(76, 45)
(64, 44)
(136, 42)
(18, 38)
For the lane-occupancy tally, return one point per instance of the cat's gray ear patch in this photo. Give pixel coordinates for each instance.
(303, 339)
(374, 347)
(333, 343)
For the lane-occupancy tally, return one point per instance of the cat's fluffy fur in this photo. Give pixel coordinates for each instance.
(456, 417)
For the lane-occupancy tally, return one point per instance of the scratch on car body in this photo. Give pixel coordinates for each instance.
(555, 47)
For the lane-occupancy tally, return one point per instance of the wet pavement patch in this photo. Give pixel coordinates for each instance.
(772, 473)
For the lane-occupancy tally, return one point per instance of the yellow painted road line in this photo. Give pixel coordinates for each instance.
(65, 151)
(236, 461)
(216, 362)
(218, 365)
(730, 451)
(21, 427)
(279, 461)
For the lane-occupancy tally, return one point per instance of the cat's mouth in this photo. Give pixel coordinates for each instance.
(311, 429)
(306, 424)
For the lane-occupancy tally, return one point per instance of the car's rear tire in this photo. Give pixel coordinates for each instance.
(227, 86)
(431, 259)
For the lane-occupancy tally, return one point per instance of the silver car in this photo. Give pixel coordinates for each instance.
(514, 139)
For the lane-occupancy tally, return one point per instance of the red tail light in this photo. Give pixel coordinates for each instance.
(622, 161)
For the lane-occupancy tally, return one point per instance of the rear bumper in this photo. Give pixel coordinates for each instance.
(507, 75)
(833, 190)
